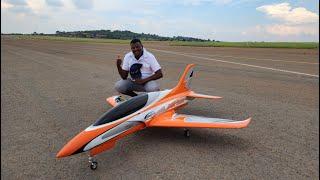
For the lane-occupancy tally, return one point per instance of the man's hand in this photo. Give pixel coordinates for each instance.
(123, 73)
(140, 81)
(119, 61)
(157, 75)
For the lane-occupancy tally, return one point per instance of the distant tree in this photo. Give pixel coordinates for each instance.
(117, 34)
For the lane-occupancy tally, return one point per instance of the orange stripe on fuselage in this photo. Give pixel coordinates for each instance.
(81, 139)
(111, 143)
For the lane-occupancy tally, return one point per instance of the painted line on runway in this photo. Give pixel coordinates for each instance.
(259, 59)
(241, 64)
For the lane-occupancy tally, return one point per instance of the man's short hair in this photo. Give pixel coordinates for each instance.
(135, 40)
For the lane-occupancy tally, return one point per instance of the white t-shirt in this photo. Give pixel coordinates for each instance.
(149, 63)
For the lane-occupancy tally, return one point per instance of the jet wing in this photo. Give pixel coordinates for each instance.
(115, 100)
(182, 120)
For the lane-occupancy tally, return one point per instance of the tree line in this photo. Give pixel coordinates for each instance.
(125, 35)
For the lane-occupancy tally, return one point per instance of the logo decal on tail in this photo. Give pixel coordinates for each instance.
(188, 78)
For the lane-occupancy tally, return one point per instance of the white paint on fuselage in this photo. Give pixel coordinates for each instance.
(139, 116)
(154, 98)
(162, 108)
(117, 130)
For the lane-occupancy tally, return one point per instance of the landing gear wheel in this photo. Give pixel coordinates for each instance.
(186, 133)
(94, 165)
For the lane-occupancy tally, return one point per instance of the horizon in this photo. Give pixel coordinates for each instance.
(216, 40)
(250, 20)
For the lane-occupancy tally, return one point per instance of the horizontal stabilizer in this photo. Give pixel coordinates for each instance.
(115, 100)
(193, 95)
(182, 120)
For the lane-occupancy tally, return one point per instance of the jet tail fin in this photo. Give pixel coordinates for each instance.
(185, 80)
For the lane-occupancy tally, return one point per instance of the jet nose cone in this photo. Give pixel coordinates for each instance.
(62, 153)
(67, 150)
(59, 155)
(74, 146)
(77, 144)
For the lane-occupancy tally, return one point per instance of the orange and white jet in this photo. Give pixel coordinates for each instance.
(153, 109)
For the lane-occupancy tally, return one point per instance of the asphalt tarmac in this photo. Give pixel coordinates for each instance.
(52, 90)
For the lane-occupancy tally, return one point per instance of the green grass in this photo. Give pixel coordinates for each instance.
(297, 45)
(71, 39)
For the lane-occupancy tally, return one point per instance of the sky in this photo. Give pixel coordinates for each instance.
(224, 20)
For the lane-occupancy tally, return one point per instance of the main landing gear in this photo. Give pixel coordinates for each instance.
(93, 163)
(186, 133)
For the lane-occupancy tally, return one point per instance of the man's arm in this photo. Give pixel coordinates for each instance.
(123, 73)
(157, 75)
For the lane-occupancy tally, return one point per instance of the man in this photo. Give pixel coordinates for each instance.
(143, 67)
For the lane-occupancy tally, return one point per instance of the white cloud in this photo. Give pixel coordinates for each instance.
(284, 30)
(292, 23)
(281, 32)
(20, 7)
(153, 3)
(55, 3)
(284, 12)
(83, 4)
(17, 2)
(176, 27)
(126, 7)
(200, 2)
(5, 5)
(36, 6)
(287, 30)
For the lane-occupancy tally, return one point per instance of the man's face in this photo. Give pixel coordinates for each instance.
(136, 49)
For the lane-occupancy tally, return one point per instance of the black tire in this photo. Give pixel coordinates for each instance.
(94, 165)
(187, 133)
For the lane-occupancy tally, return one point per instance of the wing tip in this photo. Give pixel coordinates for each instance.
(247, 121)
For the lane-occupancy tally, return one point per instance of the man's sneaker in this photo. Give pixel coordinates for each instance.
(119, 99)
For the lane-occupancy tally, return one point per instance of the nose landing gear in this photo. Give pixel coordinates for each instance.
(93, 163)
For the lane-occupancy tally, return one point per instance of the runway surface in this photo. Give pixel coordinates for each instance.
(52, 90)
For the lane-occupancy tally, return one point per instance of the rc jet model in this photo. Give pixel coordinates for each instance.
(153, 109)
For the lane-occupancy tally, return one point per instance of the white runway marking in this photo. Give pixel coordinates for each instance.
(241, 64)
(259, 59)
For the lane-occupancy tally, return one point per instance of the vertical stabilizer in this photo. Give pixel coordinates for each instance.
(185, 80)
